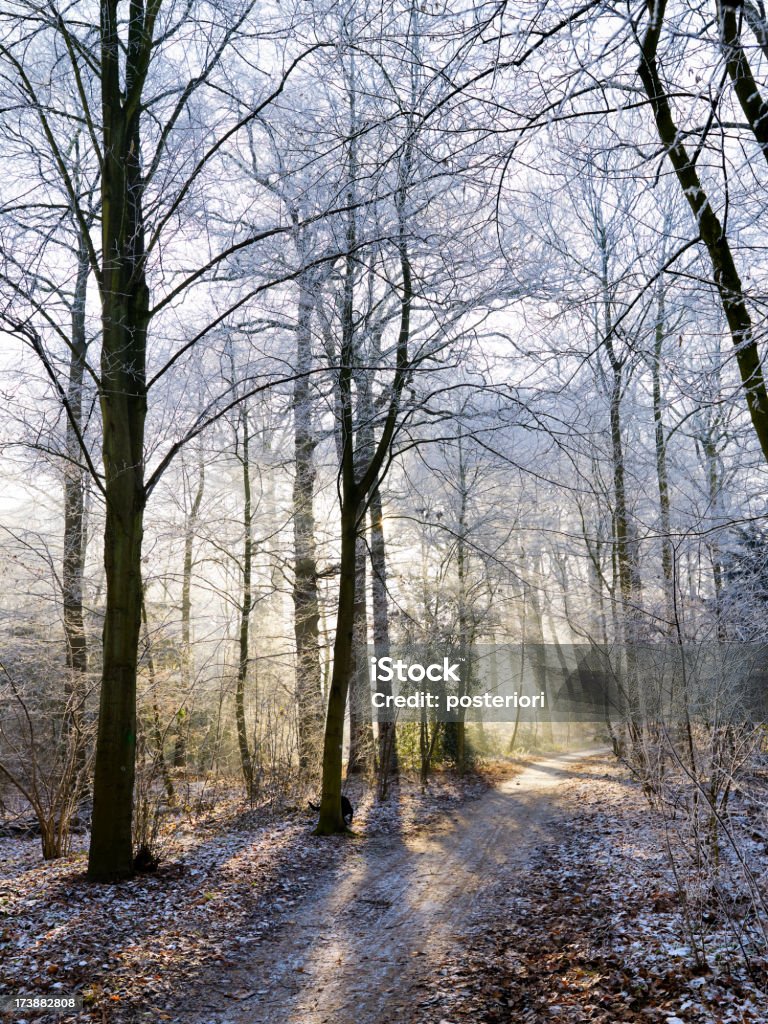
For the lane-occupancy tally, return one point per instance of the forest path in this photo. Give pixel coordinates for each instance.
(358, 949)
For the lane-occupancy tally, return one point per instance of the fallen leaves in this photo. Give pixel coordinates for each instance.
(592, 934)
(588, 929)
(137, 950)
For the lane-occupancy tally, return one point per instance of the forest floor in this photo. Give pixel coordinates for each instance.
(546, 897)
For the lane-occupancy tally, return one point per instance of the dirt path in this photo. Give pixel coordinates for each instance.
(359, 947)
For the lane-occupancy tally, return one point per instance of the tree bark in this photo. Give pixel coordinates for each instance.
(626, 555)
(74, 482)
(360, 716)
(190, 526)
(538, 656)
(123, 399)
(729, 15)
(360, 726)
(714, 485)
(457, 731)
(331, 819)
(353, 492)
(73, 565)
(387, 733)
(758, 25)
(710, 229)
(305, 591)
(157, 732)
(246, 606)
(660, 443)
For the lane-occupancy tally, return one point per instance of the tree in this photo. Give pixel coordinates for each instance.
(711, 230)
(132, 123)
(243, 659)
(356, 483)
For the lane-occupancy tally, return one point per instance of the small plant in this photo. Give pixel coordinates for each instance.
(146, 831)
(147, 813)
(145, 861)
(44, 753)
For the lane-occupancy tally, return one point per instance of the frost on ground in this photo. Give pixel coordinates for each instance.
(547, 898)
(594, 931)
(136, 950)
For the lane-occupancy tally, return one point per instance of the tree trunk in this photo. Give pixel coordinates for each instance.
(330, 805)
(711, 466)
(246, 606)
(662, 476)
(360, 715)
(757, 23)
(125, 315)
(110, 854)
(729, 16)
(710, 229)
(360, 722)
(354, 490)
(331, 819)
(626, 555)
(190, 526)
(465, 631)
(305, 592)
(73, 564)
(387, 733)
(157, 732)
(538, 656)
